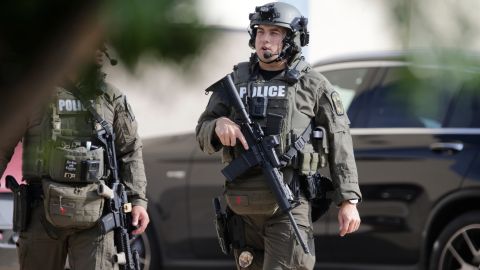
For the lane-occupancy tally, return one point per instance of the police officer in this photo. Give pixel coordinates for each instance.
(284, 95)
(64, 163)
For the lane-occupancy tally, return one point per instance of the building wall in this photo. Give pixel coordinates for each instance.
(168, 99)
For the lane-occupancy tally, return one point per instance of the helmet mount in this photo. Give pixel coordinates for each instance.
(286, 16)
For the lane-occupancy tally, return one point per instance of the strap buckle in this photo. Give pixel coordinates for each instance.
(299, 143)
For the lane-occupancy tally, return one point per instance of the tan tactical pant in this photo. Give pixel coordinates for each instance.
(44, 247)
(272, 240)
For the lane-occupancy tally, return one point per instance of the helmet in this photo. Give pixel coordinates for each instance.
(284, 15)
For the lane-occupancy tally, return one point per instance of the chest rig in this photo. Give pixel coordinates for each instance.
(276, 105)
(63, 146)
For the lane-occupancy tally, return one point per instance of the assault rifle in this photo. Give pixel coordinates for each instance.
(261, 153)
(118, 217)
(119, 209)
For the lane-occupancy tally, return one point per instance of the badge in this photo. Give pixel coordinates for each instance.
(337, 103)
(245, 259)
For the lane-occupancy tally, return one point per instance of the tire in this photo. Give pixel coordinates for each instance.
(147, 248)
(141, 244)
(458, 245)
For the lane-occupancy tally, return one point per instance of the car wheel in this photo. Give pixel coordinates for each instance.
(458, 246)
(142, 245)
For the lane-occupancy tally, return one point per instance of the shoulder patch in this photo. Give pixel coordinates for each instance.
(129, 110)
(337, 103)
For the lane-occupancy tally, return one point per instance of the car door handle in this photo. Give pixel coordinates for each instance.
(176, 174)
(441, 147)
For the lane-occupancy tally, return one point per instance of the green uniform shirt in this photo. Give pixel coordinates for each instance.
(113, 107)
(316, 99)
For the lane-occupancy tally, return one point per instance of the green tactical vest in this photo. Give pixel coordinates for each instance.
(287, 115)
(289, 110)
(63, 144)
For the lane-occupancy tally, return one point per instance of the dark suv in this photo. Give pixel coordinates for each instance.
(416, 133)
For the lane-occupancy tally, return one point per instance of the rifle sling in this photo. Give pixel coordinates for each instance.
(87, 104)
(296, 146)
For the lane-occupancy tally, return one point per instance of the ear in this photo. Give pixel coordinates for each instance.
(253, 34)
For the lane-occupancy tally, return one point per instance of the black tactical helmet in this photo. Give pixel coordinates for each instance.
(284, 15)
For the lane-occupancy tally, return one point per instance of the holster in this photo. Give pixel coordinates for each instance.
(236, 227)
(21, 208)
(221, 227)
(316, 188)
(230, 229)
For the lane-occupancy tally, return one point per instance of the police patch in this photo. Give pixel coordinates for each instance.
(337, 103)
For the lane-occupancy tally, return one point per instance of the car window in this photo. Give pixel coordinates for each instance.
(464, 110)
(408, 97)
(346, 82)
(350, 83)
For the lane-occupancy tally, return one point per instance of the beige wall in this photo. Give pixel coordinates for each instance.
(167, 99)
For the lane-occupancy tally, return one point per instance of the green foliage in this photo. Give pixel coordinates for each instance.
(35, 31)
(167, 29)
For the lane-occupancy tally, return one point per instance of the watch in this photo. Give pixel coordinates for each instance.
(353, 201)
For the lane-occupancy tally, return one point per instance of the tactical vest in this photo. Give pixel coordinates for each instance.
(281, 107)
(62, 145)
(275, 105)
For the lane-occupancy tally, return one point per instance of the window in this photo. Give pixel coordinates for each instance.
(410, 98)
(346, 82)
(464, 110)
(349, 83)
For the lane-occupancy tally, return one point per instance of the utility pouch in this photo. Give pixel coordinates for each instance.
(21, 208)
(308, 160)
(320, 144)
(76, 164)
(70, 206)
(258, 107)
(250, 196)
(274, 124)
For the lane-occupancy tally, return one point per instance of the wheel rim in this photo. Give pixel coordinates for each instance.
(462, 250)
(142, 245)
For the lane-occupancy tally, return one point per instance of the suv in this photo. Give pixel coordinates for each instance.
(416, 134)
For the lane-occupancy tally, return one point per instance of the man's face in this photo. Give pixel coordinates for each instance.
(269, 39)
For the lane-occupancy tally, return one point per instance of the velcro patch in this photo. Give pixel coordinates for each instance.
(238, 200)
(337, 103)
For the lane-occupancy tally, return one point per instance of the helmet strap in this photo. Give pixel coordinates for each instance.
(283, 55)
